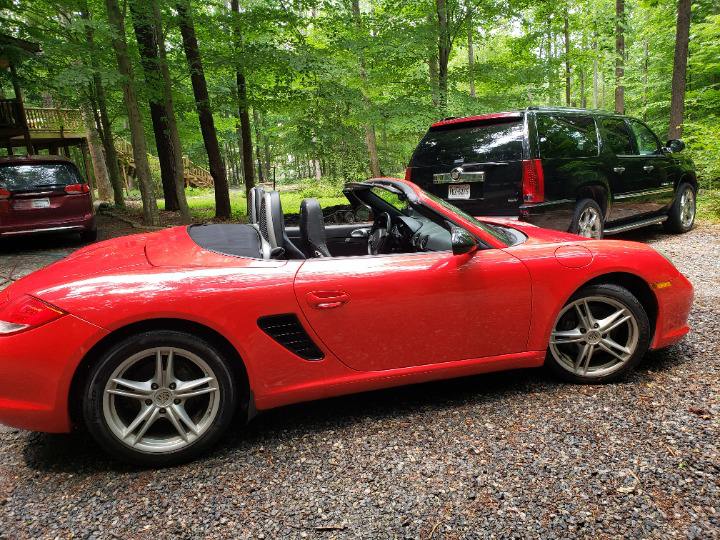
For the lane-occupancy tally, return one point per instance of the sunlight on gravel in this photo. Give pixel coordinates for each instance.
(515, 454)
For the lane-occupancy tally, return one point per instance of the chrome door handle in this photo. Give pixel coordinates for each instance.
(619, 170)
(648, 168)
(327, 299)
(359, 233)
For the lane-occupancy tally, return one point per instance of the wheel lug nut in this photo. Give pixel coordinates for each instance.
(162, 411)
(154, 386)
(177, 402)
(596, 325)
(173, 386)
(148, 402)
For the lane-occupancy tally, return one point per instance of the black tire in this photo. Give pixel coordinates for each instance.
(679, 221)
(89, 235)
(602, 296)
(582, 207)
(102, 411)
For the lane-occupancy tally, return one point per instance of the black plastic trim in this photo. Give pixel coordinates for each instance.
(288, 332)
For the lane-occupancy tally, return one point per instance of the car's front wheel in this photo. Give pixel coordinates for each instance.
(600, 334)
(159, 398)
(681, 217)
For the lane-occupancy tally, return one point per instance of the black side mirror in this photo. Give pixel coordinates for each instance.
(676, 145)
(462, 241)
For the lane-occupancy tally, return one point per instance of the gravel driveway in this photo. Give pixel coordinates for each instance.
(515, 454)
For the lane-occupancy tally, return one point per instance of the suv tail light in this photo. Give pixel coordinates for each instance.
(25, 312)
(77, 188)
(4, 194)
(533, 181)
(408, 174)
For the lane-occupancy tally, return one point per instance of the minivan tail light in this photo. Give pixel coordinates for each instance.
(4, 194)
(533, 181)
(25, 312)
(408, 174)
(77, 188)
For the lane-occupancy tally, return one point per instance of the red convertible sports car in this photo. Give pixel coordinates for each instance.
(156, 342)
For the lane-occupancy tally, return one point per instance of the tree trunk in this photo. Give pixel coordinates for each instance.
(432, 61)
(268, 162)
(174, 145)
(677, 101)
(245, 131)
(202, 102)
(471, 55)
(149, 56)
(645, 71)
(100, 114)
(444, 49)
(620, 56)
(258, 155)
(583, 101)
(369, 128)
(137, 134)
(567, 60)
(595, 73)
(102, 180)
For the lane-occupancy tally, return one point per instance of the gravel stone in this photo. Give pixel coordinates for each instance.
(507, 455)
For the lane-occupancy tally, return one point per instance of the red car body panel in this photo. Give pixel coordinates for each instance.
(512, 295)
(65, 211)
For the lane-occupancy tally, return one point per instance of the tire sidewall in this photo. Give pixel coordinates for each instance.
(92, 403)
(675, 218)
(624, 296)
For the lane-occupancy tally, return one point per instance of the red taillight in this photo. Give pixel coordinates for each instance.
(533, 181)
(4, 194)
(77, 188)
(408, 174)
(25, 312)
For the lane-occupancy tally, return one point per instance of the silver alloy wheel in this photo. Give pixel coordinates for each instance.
(687, 208)
(164, 412)
(590, 223)
(594, 336)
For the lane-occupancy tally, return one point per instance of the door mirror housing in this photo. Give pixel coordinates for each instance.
(676, 145)
(462, 241)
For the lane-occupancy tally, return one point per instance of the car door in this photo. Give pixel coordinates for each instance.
(628, 178)
(657, 168)
(393, 311)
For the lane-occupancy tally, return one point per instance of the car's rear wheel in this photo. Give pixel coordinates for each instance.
(159, 398)
(599, 335)
(587, 219)
(681, 217)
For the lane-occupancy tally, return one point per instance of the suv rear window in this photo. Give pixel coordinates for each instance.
(478, 143)
(564, 136)
(16, 177)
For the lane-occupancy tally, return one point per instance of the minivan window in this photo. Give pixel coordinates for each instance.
(563, 136)
(646, 141)
(479, 143)
(617, 136)
(15, 177)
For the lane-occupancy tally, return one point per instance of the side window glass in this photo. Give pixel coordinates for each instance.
(647, 142)
(567, 136)
(617, 136)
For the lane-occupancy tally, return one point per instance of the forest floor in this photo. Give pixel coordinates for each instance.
(506, 455)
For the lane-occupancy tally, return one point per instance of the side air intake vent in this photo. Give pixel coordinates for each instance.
(288, 332)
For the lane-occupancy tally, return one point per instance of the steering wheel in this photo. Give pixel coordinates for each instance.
(379, 234)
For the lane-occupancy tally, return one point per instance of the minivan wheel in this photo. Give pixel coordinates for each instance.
(681, 217)
(89, 235)
(159, 398)
(600, 334)
(587, 219)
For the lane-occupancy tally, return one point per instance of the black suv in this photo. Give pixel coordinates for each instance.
(589, 172)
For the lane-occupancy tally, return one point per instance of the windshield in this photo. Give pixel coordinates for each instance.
(496, 232)
(14, 177)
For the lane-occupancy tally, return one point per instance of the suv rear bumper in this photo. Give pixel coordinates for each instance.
(85, 223)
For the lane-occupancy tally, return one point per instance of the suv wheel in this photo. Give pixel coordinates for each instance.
(681, 217)
(587, 219)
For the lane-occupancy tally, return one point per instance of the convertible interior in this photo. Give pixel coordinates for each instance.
(399, 226)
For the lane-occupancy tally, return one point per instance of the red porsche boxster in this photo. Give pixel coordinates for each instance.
(157, 341)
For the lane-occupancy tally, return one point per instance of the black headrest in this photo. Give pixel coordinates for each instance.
(312, 229)
(275, 218)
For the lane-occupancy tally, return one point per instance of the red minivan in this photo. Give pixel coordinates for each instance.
(44, 194)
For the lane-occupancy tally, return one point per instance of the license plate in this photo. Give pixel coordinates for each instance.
(32, 204)
(459, 191)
